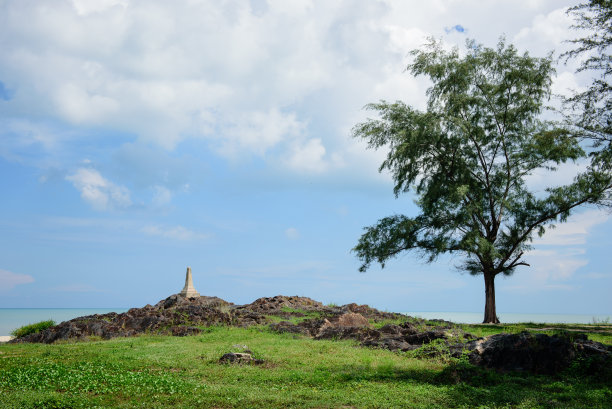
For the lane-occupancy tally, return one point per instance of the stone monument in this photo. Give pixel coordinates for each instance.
(189, 291)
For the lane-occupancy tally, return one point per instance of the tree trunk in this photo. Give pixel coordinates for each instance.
(490, 315)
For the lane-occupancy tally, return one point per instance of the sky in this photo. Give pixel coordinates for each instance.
(141, 137)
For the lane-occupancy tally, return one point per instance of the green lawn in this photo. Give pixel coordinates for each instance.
(163, 371)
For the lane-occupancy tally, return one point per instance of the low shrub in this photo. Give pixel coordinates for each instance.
(32, 328)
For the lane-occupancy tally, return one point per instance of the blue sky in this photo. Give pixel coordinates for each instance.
(139, 138)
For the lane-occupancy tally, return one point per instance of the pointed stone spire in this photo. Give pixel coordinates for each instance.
(189, 291)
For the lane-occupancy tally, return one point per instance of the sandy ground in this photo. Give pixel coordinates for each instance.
(5, 338)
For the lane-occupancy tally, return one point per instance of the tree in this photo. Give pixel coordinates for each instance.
(466, 158)
(594, 105)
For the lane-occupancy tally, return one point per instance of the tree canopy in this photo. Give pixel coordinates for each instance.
(592, 108)
(466, 158)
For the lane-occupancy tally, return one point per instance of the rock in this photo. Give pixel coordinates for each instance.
(243, 318)
(337, 332)
(390, 343)
(275, 305)
(239, 358)
(344, 326)
(536, 353)
(391, 329)
(350, 319)
(182, 331)
(176, 300)
(366, 311)
(425, 337)
(175, 315)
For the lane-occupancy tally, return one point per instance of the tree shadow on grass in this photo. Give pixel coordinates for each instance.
(469, 386)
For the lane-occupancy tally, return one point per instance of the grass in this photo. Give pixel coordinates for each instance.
(162, 372)
(32, 328)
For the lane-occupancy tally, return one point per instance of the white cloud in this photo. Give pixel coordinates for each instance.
(78, 105)
(551, 28)
(308, 157)
(249, 80)
(100, 193)
(257, 132)
(85, 7)
(8, 279)
(558, 256)
(161, 196)
(573, 232)
(174, 233)
(542, 178)
(292, 233)
(566, 84)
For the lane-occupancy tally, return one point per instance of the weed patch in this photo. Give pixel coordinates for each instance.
(32, 328)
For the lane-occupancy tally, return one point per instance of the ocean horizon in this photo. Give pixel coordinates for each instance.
(12, 318)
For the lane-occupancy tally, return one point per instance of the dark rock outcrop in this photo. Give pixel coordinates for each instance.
(175, 315)
(282, 306)
(350, 325)
(536, 353)
(295, 306)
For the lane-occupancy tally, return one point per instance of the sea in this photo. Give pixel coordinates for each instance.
(511, 317)
(12, 318)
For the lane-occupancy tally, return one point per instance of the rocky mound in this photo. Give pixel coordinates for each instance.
(405, 337)
(176, 315)
(180, 316)
(295, 306)
(282, 303)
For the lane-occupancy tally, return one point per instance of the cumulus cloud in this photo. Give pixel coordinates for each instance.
(257, 132)
(78, 105)
(308, 157)
(575, 231)
(558, 255)
(174, 233)
(8, 279)
(99, 192)
(550, 29)
(248, 78)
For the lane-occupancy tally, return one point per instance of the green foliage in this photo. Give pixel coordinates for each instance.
(466, 158)
(591, 110)
(32, 328)
(171, 372)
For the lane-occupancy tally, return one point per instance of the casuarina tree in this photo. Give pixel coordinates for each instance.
(466, 158)
(591, 109)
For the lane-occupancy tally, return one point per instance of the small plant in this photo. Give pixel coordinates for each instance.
(32, 328)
